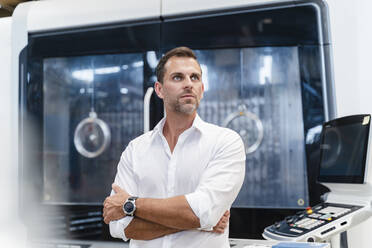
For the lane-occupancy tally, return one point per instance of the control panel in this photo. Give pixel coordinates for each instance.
(313, 222)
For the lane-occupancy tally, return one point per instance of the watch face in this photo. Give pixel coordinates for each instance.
(128, 207)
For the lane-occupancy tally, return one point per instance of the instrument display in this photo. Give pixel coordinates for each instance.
(343, 150)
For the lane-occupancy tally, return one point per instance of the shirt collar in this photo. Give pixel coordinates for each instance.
(197, 124)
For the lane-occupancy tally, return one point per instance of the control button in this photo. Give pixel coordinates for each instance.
(329, 219)
(289, 219)
(314, 215)
(309, 210)
(300, 214)
(295, 230)
(318, 207)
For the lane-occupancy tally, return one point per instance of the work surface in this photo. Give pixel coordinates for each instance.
(234, 243)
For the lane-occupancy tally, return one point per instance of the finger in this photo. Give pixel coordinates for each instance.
(223, 220)
(116, 188)
(105, 211)
(227, 213)
(221, 224)
(108, 218)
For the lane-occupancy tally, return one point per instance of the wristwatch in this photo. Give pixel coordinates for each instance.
(129, 206)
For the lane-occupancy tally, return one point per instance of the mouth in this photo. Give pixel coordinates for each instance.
(188, 96)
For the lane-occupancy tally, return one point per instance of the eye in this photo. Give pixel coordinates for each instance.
(177, 78)
(194, 77)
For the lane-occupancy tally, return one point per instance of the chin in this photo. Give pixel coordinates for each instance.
(188, 109)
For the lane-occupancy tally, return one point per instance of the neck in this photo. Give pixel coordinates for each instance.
(175, 124)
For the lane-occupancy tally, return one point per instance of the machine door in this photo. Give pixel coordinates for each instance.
(82, 101)
(265, 71)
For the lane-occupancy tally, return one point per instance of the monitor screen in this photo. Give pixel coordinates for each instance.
(343, 149)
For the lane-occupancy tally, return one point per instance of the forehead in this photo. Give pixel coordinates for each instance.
(183, 65)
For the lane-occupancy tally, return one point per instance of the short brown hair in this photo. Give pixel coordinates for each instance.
(175, 52)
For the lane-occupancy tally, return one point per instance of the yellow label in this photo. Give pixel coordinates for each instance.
(366, 120)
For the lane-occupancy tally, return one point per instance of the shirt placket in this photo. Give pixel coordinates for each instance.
(171, 176)
(170, 170)
(170, 192)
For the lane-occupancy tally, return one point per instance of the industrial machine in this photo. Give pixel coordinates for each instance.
(344, 152)
(83, 81)
(273, 58)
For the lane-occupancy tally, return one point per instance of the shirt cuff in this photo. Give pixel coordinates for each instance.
(209, 229)
(117, 227)
(201, 209)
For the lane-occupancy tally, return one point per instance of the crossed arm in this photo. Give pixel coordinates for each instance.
(156, 217)
(205, 207)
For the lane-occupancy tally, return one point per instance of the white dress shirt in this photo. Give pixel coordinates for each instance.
(207, 166)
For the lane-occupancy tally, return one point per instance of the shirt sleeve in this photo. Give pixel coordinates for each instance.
(221, 181)
(117, 227)
(125, 179)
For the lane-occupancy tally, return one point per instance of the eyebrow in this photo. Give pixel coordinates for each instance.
(176, 73)
(196, 74)
(183, 74)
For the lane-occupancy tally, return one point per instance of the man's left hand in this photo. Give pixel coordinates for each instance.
(222, 223)
(113, 205)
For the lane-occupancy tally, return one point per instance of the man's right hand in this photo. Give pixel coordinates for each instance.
(113, 205)
(222, 223)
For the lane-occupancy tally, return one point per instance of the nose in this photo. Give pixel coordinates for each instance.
(188, 83)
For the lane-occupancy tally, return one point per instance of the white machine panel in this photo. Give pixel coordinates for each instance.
(171, 7)
(71, 14)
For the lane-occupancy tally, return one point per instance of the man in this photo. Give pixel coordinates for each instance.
(186, 173)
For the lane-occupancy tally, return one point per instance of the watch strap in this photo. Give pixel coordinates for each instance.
(132, 198)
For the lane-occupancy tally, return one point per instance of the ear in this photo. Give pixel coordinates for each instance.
(158, 89)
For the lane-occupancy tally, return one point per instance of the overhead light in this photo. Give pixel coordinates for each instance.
(124, 91)
(86, 75)
(107, 70)
(137, 64)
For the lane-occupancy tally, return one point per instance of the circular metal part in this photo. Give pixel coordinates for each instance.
(92, 136)
(248, 126)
